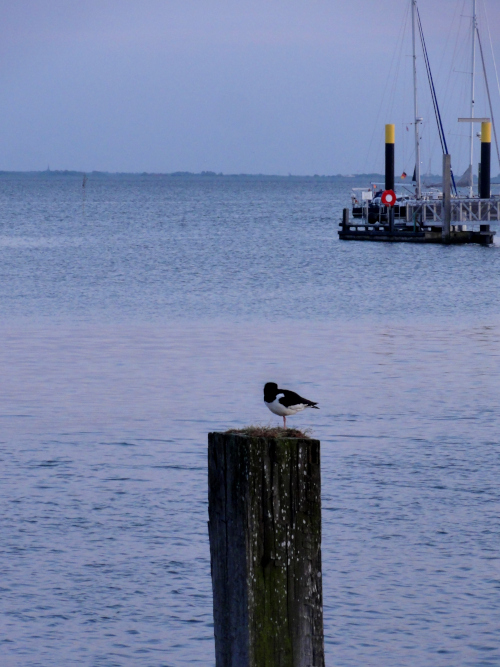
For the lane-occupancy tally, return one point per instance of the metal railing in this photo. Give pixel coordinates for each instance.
(462, 210)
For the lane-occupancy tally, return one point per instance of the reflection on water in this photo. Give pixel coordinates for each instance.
(129, 333)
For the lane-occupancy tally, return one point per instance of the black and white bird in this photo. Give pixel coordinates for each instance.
(284, 402)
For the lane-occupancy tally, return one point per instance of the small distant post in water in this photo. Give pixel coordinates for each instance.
(84, 192)
(265, 547)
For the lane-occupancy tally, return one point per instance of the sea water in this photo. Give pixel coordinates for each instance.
(138, 320)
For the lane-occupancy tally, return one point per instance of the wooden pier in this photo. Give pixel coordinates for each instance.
(459, 234)
(445, 219)
(426, 217)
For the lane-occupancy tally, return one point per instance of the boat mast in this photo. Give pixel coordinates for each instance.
(418, 190)
(472, 94)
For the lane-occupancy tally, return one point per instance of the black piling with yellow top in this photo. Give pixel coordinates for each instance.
(485, 173)
(390, 134)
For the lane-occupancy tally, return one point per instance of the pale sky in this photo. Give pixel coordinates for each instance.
(267, 86)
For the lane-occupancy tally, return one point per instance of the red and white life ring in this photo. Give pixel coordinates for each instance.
(389, 197)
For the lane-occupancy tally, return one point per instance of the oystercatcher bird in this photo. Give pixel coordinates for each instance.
(284, 402)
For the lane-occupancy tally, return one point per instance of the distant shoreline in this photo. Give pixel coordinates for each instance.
(211, 175)
(190, 175)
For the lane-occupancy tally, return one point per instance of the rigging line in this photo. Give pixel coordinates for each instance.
(407, 161)
(431, 85)
(456, 47)
(434, 96)
(488, 93)
(375, 128)
(445, 51)
(446, 75)
(428, 71)
(457, 55)
(448, 37)
(392, 97)
(491, 46)
(442, 136)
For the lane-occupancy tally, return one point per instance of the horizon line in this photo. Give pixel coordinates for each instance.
(205, 174)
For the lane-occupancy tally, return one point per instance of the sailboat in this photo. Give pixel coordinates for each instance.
(426, 217)
(467, 179)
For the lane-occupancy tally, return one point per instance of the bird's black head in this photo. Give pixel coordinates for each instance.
(270, 391)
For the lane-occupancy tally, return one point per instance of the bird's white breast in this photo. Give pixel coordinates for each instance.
(279, 409)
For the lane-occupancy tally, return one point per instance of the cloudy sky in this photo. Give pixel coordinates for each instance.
(267, 86)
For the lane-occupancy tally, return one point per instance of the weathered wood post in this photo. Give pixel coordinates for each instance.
(446, 198)
(265, 547)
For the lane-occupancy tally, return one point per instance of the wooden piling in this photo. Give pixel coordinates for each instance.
(265, 548)
(446, 198)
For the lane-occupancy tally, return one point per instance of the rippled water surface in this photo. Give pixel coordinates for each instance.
(130, 330)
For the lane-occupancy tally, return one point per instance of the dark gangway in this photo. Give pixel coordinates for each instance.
(265, 547)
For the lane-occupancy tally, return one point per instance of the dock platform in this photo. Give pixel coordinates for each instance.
(459, 234)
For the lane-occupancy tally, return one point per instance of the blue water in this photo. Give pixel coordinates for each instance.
(131, 329)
